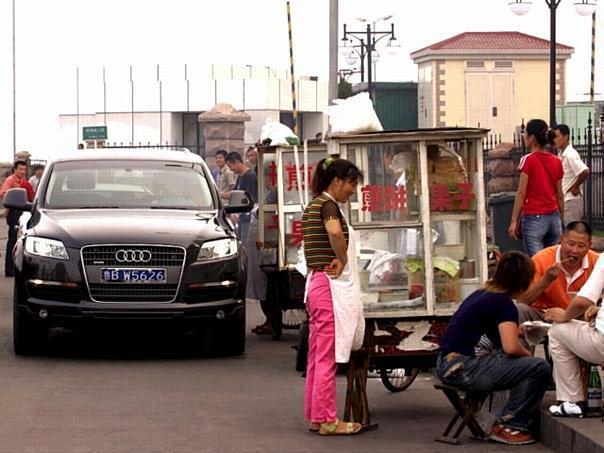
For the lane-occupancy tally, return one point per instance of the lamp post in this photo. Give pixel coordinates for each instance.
(584, 8)
(366, 48)
(14, 88)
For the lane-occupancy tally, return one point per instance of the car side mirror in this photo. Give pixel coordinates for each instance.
(17, 199)
(239, 201)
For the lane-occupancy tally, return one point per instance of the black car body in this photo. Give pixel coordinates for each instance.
(128, 235)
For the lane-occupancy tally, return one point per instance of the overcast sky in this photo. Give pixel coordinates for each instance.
(56, 36)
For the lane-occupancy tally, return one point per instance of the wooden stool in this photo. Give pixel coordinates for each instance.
(356, 407)
(465, 408)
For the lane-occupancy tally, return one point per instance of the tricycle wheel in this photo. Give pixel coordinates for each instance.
(398, 379)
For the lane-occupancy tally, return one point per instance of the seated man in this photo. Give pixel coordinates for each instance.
(560, 271)
(571, 340)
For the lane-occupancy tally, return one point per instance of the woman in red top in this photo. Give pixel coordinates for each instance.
(539, 198)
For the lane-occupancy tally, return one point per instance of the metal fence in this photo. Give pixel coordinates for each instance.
(590, 148)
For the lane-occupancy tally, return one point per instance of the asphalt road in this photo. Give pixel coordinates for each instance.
(141, 393)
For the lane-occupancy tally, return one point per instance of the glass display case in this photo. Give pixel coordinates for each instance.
(420, 220)
(419, 215)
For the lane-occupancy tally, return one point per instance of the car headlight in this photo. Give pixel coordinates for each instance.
(48, 248)
(220, 248)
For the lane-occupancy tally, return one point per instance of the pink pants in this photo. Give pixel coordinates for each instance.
(320, 396)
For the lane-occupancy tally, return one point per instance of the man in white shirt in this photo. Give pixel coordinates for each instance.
(575, 173)
(38, 170)
(571, 340)
(225, 178)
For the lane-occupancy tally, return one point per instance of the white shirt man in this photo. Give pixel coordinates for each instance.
(225, 178)
(575, 173)
(571, 340)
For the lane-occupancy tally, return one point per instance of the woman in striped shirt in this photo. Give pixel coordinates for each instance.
(326, 249)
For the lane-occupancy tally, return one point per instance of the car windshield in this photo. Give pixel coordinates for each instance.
(129, 185)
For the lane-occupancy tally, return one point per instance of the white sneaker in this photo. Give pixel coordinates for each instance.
(566, 409)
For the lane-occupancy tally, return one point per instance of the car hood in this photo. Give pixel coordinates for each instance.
(76, 228)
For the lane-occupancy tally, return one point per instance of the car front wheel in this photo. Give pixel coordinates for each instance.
(30, 336)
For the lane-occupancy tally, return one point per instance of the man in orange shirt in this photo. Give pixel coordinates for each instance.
(560, 272)
(15, 181)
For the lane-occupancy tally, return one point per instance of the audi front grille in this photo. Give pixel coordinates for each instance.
(95, 258)
(162, 256)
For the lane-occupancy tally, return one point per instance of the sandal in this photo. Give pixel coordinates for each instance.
(331, 429)
(566, 409)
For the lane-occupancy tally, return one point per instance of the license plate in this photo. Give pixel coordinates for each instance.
(138, 275)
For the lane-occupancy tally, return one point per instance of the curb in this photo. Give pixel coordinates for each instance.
(574, 435)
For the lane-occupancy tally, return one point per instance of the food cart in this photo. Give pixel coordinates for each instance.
(283, 190)
(420, 220)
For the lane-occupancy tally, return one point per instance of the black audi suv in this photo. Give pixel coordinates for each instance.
(128, 235)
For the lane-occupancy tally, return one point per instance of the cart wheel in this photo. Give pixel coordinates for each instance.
(398, 379)
(293, 318)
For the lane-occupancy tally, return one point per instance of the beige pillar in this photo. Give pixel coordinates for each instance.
(223, 128)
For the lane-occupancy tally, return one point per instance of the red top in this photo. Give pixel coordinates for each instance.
(14, 182)
(544, 171)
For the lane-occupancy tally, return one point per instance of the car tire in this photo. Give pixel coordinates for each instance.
(230, 336)
(30, 336)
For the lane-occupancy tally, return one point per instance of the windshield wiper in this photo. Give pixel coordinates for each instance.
(173, 207)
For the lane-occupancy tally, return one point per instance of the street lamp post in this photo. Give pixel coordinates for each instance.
(584, 8)
(366, 48)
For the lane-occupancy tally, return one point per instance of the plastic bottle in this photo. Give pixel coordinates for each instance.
(594, 393)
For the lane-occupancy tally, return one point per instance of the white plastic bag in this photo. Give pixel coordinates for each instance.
(279, 134)
(353, 115)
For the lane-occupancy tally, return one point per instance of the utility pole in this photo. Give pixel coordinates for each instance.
(333, 50)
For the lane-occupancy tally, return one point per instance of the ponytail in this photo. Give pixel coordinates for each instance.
(329, 168)
(539, 130)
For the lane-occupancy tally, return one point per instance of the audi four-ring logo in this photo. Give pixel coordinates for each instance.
(133, 256)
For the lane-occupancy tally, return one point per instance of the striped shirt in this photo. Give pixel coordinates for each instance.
(317, 248)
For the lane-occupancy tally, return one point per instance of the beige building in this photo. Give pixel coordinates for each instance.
(491, 79)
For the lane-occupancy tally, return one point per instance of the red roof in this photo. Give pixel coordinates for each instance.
(505, 41)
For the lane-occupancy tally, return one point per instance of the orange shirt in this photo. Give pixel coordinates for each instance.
(556, 294)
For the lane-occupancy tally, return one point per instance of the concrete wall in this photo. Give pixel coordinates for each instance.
(147, 127)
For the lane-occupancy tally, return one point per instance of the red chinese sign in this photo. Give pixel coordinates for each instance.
(443, 198)
(273, 223)
(296, 235)
(271, 177)
(291, 176)
(377, 198)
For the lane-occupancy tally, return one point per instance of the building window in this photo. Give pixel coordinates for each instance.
(475, 64)
(504, 64)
